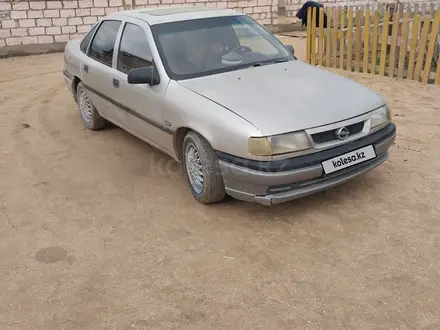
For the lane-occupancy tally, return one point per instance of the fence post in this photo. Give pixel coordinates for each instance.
(391, 10)
(313, 39)
(431, 47)
(309, 35)
(342, 41)
(384, 44)
(357, 57)
(350, 39)
(335, 37)
(412, 51)
(366, 42)
(328, 37)
(321, 36)
(403, 45)
(392, 58)
(423, 37)
(374, 43)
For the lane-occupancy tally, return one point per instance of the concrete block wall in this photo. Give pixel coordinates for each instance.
(51, 21)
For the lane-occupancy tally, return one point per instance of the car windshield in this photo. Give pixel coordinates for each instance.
(196, 48)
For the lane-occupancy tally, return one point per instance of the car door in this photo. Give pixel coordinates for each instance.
(143, 104)
(97, 69)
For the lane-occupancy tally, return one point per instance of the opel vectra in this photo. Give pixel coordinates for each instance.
(219, 93)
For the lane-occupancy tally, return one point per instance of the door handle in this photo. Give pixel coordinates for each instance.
(115, 83)
(86, 68)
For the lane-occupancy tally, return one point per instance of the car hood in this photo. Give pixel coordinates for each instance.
(285, 97)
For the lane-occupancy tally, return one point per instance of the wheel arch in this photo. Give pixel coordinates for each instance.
(178, 137)
(76, 81)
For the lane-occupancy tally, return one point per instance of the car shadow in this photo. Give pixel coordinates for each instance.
(162, 165)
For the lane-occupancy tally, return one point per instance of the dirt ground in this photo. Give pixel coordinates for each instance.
(99, 231)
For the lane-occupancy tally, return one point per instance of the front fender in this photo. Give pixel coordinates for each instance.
(223, 129)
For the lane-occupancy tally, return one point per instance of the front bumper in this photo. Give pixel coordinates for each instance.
(274, 182)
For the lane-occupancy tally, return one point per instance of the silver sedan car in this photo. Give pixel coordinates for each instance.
(219, 93)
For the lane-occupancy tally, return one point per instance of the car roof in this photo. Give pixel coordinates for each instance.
(173, 14)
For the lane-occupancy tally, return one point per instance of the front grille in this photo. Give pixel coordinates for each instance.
(330, 135)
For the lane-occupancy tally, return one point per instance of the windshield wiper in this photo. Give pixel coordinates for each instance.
(256, 64)
(268, 62)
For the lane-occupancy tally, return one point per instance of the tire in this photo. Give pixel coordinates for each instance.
(212, 189)
(89, 115)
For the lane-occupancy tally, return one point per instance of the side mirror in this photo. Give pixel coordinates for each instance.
(147, 75)
(290, 48)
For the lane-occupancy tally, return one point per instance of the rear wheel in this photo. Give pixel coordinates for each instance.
(89, 115)
(201, 169)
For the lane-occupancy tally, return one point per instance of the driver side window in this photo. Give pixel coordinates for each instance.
(134, 51)
(255, 41)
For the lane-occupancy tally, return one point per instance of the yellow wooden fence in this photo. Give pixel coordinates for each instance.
(402, 45)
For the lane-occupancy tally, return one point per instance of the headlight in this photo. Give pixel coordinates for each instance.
(380, 117)
(279, 144)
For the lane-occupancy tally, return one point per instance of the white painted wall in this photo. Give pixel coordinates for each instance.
(49, 21)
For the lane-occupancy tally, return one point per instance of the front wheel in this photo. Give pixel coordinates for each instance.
(201, 169)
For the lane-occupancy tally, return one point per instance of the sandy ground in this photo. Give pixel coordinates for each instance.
(99, 231)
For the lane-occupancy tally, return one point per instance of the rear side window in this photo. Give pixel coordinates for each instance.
(103, 43)
(85, 42)
(134, 51)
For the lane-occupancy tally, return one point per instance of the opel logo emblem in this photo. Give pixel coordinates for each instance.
(342, 133)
